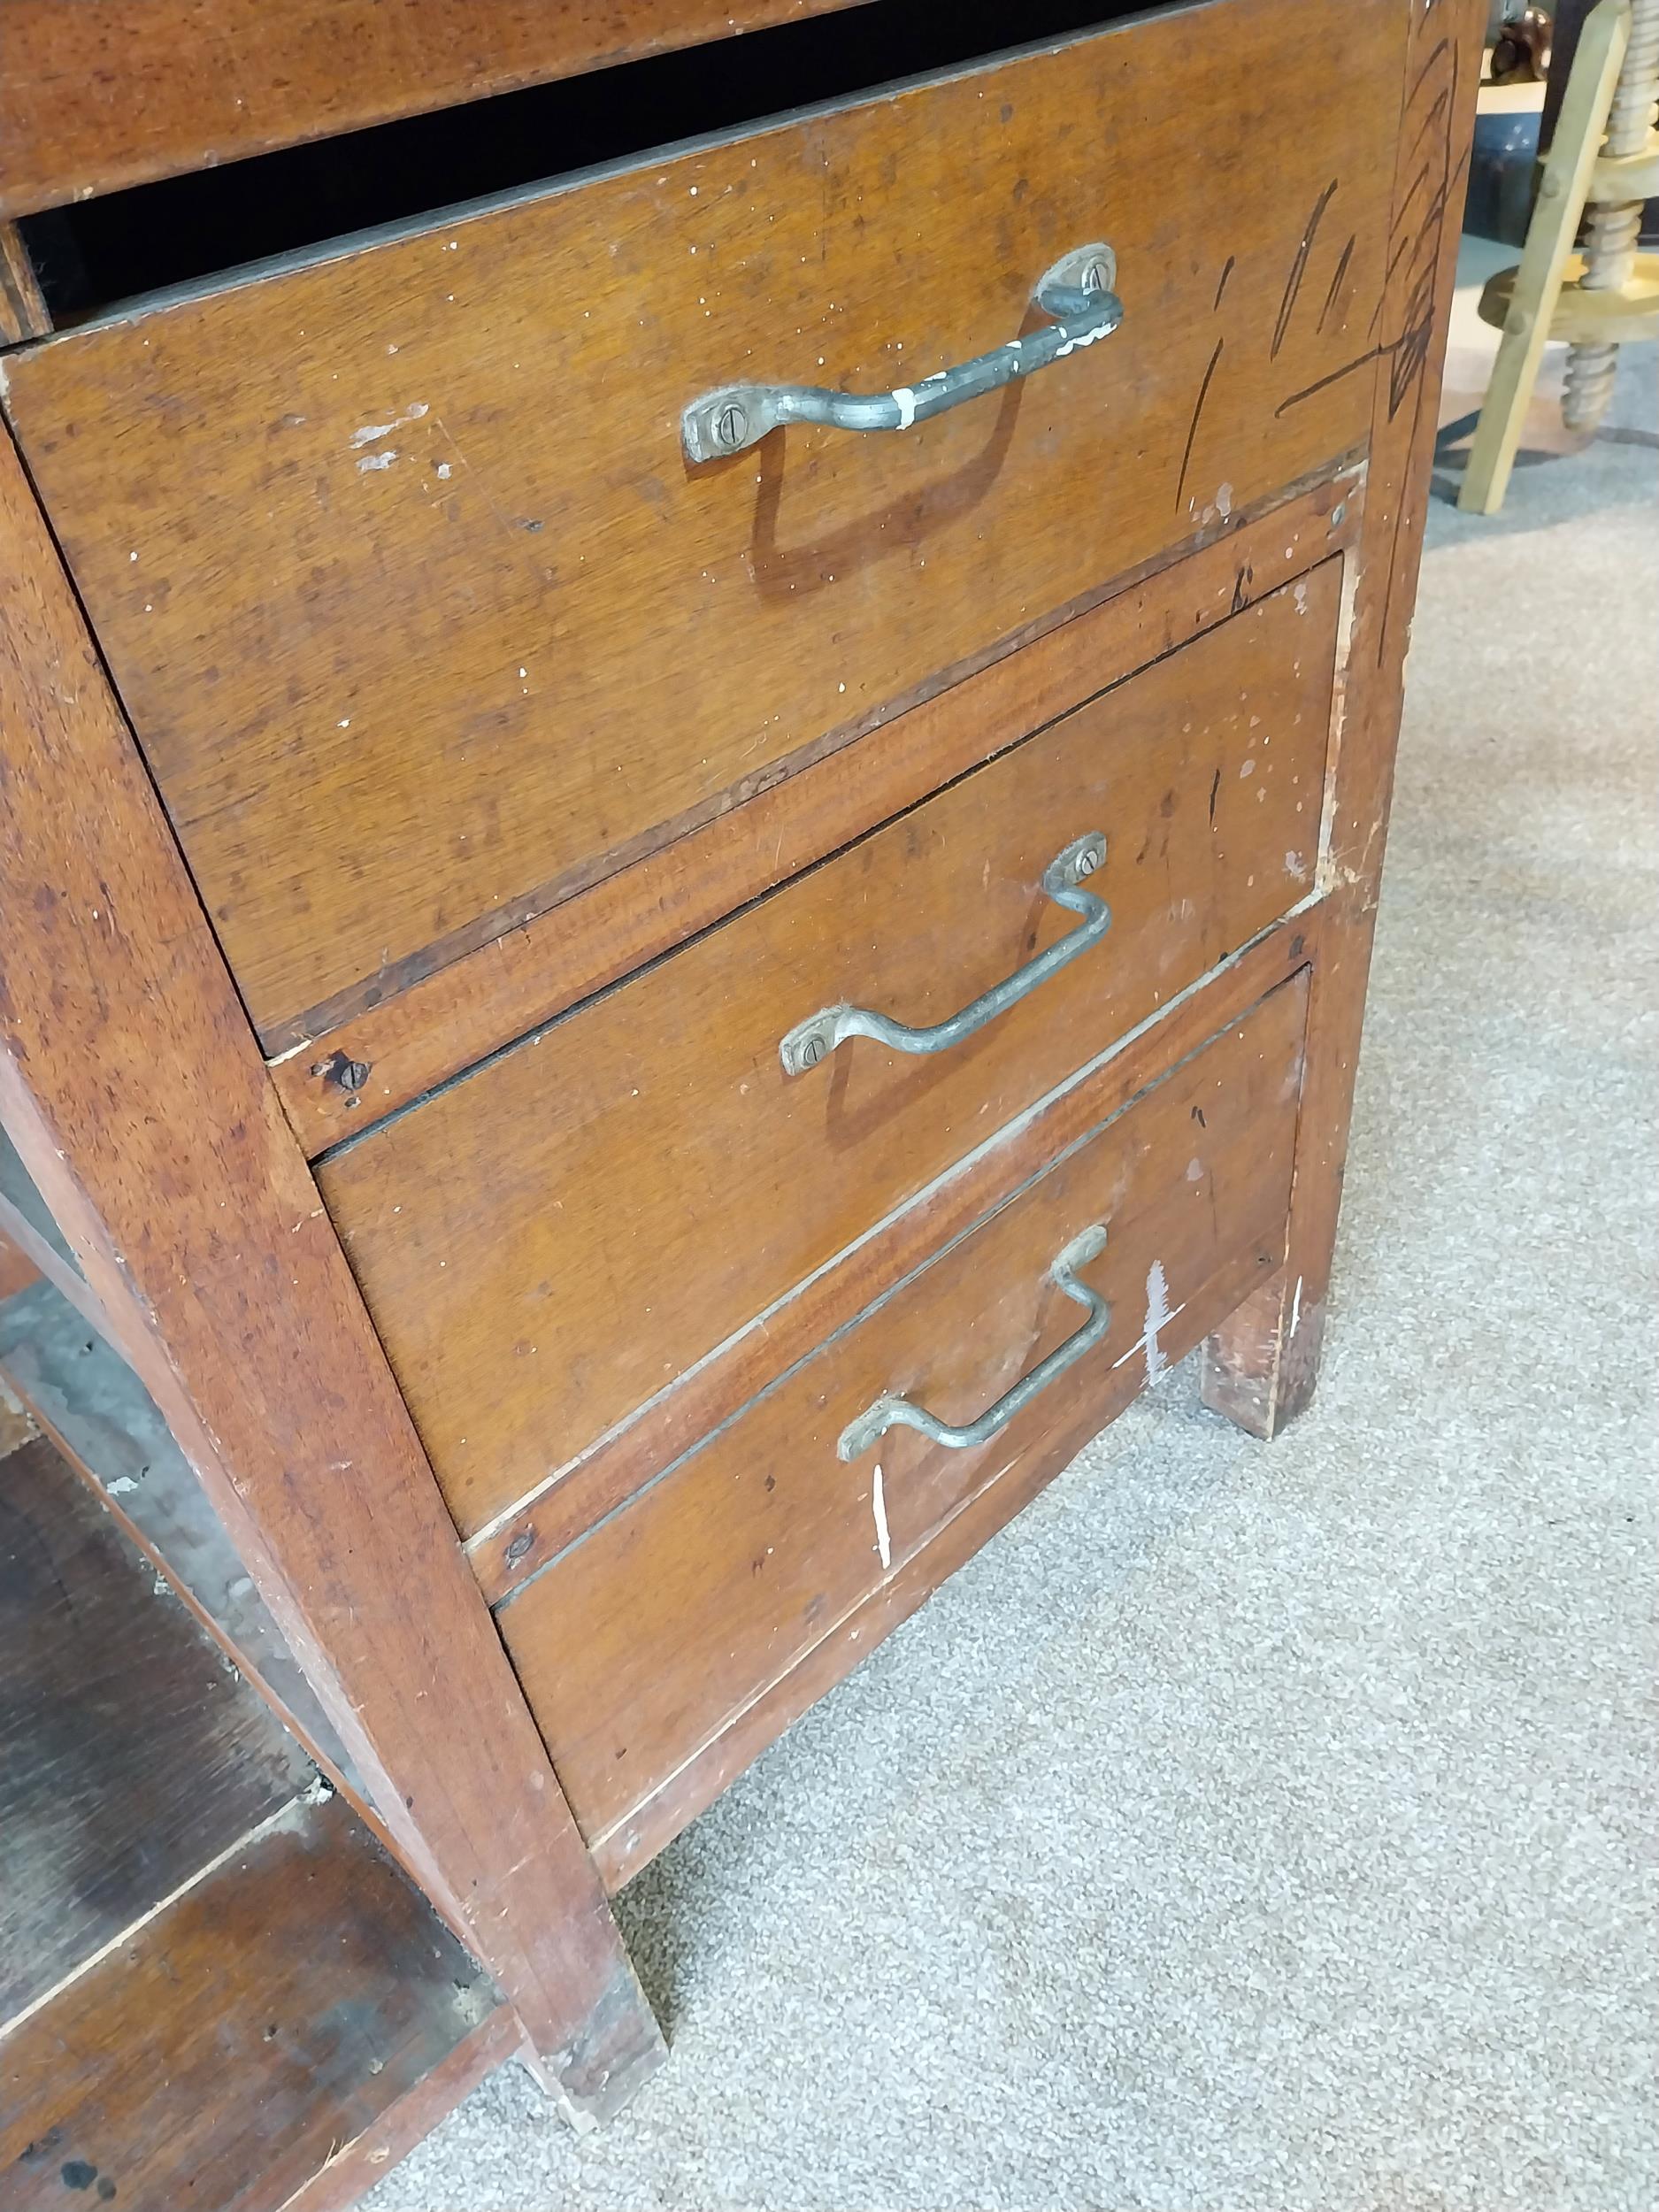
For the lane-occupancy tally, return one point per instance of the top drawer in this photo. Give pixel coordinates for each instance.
(422, 617)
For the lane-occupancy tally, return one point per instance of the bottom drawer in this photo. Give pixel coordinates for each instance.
(642, 1643)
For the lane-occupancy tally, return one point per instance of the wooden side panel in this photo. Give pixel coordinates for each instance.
(109, 93)
(1262, 1368)
(425, 624)
(566, 1233)
(267, 2019)
(132, 1086)
(132, 1757)
(638, 1645)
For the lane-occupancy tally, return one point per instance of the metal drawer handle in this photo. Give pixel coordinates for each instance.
(1076, 292)
(889, 1413)
(812, 1040)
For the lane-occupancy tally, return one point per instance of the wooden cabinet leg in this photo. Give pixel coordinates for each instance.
(1261, 1365)
(133, 1088)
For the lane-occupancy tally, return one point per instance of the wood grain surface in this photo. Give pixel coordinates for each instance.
(134, 1093)
(112, 92)
(132, 1758)
(637, 1644)
(423, 621)
(514, 1549)
(17, 1270)
(270, 2018)
(412, 1043)
(563, 1234)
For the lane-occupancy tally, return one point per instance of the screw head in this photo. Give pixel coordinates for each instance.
(1086, 861)
(519, 1544)
(730, 425)
(810, 1052)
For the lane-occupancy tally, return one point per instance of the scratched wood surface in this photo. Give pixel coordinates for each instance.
(133, 1757)
(423, 622)
(636, 1646)
(394, 1053)
(1262, 1368)
(561, 1235)
(112, 92)
(279, 2012)
(133, 1088)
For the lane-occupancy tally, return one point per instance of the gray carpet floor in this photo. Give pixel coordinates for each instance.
(1271, 1827)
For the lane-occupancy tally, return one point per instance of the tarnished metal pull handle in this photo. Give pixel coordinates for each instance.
(811, 1041)
(1076, 292)
(891, 1413)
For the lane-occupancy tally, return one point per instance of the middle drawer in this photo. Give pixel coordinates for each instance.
(557, 1236)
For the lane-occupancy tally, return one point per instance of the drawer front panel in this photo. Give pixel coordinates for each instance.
(555, 1239)
(422, 616)
(638, 1644)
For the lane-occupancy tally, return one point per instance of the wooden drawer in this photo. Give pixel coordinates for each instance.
(423, 618)
(639, 1644)
(551, 1240)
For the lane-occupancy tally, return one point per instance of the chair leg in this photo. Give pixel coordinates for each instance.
(1561, 196)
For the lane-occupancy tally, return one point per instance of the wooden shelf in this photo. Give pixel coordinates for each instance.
(215, 1986)
(106, 1426)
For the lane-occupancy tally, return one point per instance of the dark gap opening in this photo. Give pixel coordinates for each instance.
(181, 229)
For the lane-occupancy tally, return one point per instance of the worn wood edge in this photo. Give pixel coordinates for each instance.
(357, 2165)
(310, 1728)
(23, 310)
(628, 1844)
(1262, 1366)
(418, 92)
(501, 993)
(101, 906)
(511, 1551)
(72, 1286)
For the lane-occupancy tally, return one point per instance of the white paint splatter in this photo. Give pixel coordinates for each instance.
(1295, 1309)
(878, 1507)
(1158, 1316)
(377, 461)
(371, 431)
(120, 1484)
(904, 400)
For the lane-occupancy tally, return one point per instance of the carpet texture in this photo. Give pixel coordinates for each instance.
(1270, 1827)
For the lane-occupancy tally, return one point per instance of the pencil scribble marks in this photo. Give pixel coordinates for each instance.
(1336, 281)
(1298, 268)
(1191, 427)
(1226, 273)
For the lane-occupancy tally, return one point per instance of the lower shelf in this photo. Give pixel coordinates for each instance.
(215, 1988)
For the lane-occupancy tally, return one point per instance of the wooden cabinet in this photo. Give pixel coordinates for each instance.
(633, 1023)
